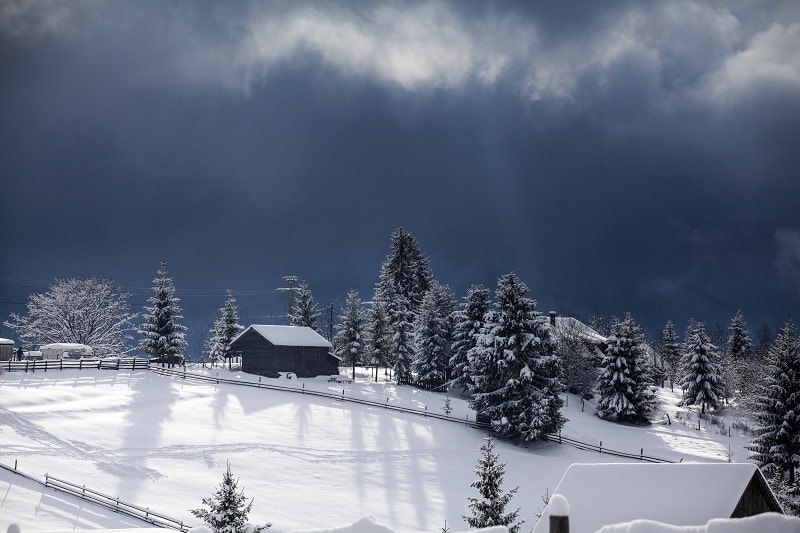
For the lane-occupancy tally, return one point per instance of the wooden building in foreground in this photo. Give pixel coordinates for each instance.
(267, 350)
(683, 494)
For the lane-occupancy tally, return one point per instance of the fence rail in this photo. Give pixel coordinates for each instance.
(556, 438)
(109, 363)
(115, 504)
(145, 514)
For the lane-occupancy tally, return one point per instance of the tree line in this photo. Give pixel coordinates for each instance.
(514, 364)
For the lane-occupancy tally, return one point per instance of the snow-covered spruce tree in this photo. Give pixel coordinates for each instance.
(305, 312)
(349, 340)
(433, 336)
(467, 323)
(402, 351)
(578, 372)
(516, 372)
(405, 272)
(778, 441)
(490, 509)
(226, 328)
(90, 311)
(378, 338)
(738, 358)
(702, 383)
(228, 508)
(163, 336)
(623, 383)
(669, 353)
(739, 343)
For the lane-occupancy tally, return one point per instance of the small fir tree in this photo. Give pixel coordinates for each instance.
(350, 332)
(226, 328)
(739, 344)
(228, 508)
(702, 383)
(378, 338)
(468, 322)
(305, 312)
(778, 442)
(623, 383)
(163, 336)
(434, 336)
(490, 509)
(669, 353)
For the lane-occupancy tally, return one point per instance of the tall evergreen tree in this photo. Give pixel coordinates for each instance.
(623, 383)
(468, 322)
(226, 328)
(402, 339)
(378, 338)
(350, 332)
(228, 509)
(739, 343)
(516, 371)
(434, 336)
(702, 383)
(669, 353)
(490, 509)
(405, 272)
(305, 312)
(163, 336)
(778, 441)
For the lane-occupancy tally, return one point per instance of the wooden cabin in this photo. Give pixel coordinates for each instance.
(682, 494)
(268, 350)
(6, 349)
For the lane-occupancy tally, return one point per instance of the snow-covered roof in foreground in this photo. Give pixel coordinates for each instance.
(6, 341)
(601, 494)
(288, 335)
(772, 522)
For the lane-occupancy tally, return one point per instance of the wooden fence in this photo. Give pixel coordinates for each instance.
(43, 365)
(115, 504)
(556, 438)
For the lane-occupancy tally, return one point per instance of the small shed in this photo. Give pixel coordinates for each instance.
(683, 494)
(6, 349)
(267, 350)
(65, 350)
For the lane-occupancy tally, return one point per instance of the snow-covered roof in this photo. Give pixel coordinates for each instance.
(288, 335)
(567, 325)
(6, 341)
(772, 522)
(602, 494)
(65, 346)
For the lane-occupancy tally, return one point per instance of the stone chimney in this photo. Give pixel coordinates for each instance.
(553, 315)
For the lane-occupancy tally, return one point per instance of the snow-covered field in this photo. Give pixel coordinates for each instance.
(309, 462)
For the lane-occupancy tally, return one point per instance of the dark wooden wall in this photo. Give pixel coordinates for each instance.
(261, 357)
(756, 499)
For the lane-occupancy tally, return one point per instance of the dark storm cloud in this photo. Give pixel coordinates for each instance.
(619, 157)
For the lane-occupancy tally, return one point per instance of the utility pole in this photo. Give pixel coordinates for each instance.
(289, 289)
(330, 322)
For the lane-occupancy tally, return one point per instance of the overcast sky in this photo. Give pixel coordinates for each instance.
(619, 156)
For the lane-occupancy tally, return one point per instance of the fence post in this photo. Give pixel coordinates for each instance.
(80, 364)
(61, 366)
(26, 366)
(641, 454)
(601, 446)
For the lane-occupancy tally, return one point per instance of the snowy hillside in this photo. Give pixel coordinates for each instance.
(309, 462)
